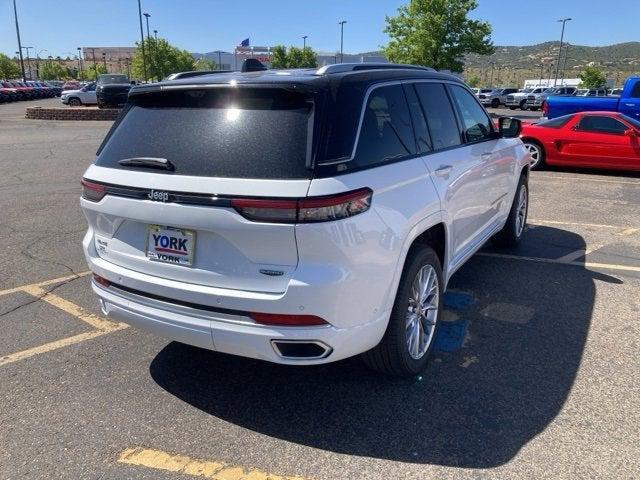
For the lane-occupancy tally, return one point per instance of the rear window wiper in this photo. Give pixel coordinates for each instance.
(148, 162)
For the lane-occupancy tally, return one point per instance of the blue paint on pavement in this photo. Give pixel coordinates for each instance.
(451, 335)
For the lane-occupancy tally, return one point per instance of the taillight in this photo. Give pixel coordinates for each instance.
(306, 210)
(287, 320)
(93, 192)
(545, 109)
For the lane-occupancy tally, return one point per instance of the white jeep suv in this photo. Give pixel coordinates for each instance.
(301, 216)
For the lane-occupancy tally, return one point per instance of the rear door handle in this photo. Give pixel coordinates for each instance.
(629, 104)
(444, 170)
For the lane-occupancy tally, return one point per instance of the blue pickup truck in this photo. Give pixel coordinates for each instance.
(627, 103)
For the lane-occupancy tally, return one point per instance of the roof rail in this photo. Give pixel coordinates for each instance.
(351, 67)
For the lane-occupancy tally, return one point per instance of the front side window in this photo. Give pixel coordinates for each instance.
(635, 92)
(386, 131)
(476, 123)
(439, 113)
(601, 124)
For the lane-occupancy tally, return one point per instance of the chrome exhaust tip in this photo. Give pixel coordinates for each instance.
(301, 349)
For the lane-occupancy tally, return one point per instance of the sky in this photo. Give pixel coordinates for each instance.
(58, 28)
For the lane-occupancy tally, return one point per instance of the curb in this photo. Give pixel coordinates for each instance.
(81, 113)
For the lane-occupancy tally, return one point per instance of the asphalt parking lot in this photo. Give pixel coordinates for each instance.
(538, 376)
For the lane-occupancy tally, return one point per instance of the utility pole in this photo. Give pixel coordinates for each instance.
(564, 65)
(144, 61)
(15, 13)
(541, 68)
(157, 60)
(304, 41)
(104, 62)
(341, 23)
(563, 20)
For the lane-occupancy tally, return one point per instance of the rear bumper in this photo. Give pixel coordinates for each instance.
(234, 334)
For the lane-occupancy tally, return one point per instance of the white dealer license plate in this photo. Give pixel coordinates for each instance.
(170, 245)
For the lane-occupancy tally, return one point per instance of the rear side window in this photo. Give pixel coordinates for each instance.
(601, 124)
(477, 125)
(558, 122)
(635, 92)
(224, 132)
(440, 117)
(386, 131)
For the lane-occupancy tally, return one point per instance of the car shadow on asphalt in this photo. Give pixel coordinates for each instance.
(475, 407)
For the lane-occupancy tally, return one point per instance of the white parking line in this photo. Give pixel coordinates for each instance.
(607, 266)
(587, 179)
(576, 224)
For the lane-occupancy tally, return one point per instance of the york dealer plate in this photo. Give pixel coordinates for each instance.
(170, 245)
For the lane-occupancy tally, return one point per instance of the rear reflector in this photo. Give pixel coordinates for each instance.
(306, 210)
(93, 192)
(287, 320)
(101, 281)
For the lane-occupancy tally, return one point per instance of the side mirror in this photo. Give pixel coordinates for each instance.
(509, 127)
(631, 133)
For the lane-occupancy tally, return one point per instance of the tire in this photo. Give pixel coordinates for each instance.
(537, 154)
(511, 233)
(393, 356)
(495, 103)
(523, 105)
(534, 109)
(74, 102)
(512, 108)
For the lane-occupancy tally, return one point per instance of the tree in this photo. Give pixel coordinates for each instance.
(91, 72)
(592, 77)
(436, 33)
(474, 81)
(294, 57)
(8, 69)
(52, 71)
(205, 64)
(162, 59)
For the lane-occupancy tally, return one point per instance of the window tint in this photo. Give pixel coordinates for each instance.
(558, 122)
(386, 130)
(419, 121)
(477, 125)
(601, 124)
(238, 133)
(635, 93)
(632, 121)
(440, 117)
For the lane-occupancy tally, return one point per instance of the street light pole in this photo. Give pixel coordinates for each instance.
(564, 64)
(151, 66)
(104, 62)
(144, 61)
(29, 63)
(15, 14)
(80, 60)
(304, 41)
(541, 68)
(342, 39)
(157, 60)
(491, 78)
(563, 20)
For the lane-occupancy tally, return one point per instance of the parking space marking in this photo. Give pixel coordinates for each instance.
(628, 231)
(72, 309)
(586, 178)
(607, 266)
(44, 283)
(159, 460)
(99, 325)
(570, 257)
(55, 345)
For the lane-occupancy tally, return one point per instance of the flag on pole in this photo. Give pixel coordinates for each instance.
(244, 43)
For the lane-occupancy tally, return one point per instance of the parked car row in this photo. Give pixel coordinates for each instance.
(13, 91)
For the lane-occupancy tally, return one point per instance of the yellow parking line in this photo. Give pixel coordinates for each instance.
(145, 457)
(589, 179)
(44, 284)
(608, 266)
(73, 309)
(628, 231)
(47, 347)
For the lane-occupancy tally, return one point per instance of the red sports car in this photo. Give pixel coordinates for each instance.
(607, 140)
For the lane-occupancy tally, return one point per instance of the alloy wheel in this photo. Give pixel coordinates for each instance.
(521, 212)
(534, 152)
(422, 312)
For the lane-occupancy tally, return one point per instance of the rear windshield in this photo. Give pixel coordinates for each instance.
(113, 79)
(225, 132)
